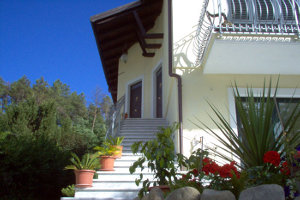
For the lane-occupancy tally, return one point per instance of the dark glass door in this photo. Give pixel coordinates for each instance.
(159, 94)
(136, 100)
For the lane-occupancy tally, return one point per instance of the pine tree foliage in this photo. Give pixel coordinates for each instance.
(40, 124)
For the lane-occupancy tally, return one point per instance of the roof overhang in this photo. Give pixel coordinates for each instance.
(118, 29)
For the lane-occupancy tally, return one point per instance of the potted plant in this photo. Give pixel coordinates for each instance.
(84, 169)
(160, 156)
(107, 158)
(116, 142)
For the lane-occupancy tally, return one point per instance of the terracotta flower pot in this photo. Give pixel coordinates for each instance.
(107, 163)
(118, 152)
(84, 177)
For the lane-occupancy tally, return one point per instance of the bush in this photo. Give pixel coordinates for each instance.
(32, 168)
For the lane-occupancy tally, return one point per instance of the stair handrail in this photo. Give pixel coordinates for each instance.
(115, 118)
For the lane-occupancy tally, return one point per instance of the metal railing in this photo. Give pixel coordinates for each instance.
(254, 17)
(115, 117)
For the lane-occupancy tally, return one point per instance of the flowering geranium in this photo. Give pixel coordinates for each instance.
(272, 157)
(210, 166)
(285, 170)
(227, 170)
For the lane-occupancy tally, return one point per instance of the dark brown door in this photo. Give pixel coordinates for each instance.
(135, 100)
(159, 94)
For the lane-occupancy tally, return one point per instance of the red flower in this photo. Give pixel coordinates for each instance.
(272, 157)
(227, 170)
(195, 172)
(285, 170)
(209, 166)
(206, 160)
(183, 176)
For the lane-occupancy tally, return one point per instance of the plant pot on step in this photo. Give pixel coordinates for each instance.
(107, 163)
(118, 152)
(84, 178)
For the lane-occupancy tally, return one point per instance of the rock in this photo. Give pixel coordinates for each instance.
(209, 194)
(146, 197)
(185, 193)
(263, 192)
(156, 194)
(136, 198)
(297, 198)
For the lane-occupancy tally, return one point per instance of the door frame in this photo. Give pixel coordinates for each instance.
(127, 95)
(153, 105)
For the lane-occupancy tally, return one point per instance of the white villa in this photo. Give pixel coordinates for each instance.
(164, 59)
(169, 57)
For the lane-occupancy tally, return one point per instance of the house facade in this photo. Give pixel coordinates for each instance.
(169, 58)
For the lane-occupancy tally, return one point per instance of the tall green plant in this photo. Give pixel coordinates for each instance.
(159, 154)
(87, 162)
(258, 132)
(116, 140)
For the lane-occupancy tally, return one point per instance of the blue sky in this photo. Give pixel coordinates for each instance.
(53, 39)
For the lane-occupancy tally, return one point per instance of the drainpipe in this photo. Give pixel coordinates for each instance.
(171, 74)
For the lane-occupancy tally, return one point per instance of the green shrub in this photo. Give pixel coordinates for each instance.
(68, 191)
(32, 168)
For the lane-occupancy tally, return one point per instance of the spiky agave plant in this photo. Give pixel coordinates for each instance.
(258, 132)
(116, 140)
(88, 161)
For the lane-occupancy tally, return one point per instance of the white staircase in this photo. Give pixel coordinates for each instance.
(120, 184)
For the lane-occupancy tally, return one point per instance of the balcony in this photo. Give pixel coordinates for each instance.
(246, 37)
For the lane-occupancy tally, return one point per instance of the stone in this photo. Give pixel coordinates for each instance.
(297, 198)
(136, 198)
(146, 197)
(209, 194)
(156, 194)
(263, 192)
(185, 193)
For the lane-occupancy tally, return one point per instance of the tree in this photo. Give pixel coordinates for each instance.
(97, 96)
(105, 106)
(20, 90)
(3, 94)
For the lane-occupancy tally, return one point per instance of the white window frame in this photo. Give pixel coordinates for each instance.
(281, 93)
(127, 96)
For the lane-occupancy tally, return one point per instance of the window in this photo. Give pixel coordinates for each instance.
(263, 10)
(239, 9)
(285, 107)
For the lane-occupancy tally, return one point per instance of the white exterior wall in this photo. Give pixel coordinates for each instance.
(248, 61)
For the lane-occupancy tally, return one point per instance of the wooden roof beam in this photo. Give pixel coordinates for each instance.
(141, 37)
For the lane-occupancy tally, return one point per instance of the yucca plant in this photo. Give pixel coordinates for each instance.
(106, 149)
(116, 140)
(258, 131)
(88, 161)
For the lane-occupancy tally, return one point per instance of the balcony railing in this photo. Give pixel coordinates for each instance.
(254, 17)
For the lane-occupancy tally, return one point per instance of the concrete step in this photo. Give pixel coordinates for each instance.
(140, 127)
(127, 157)
(140, 131)
(107, 193)
(120, 184)
(122, 176)
(138, 138)
(116, 185)
(136, 135)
